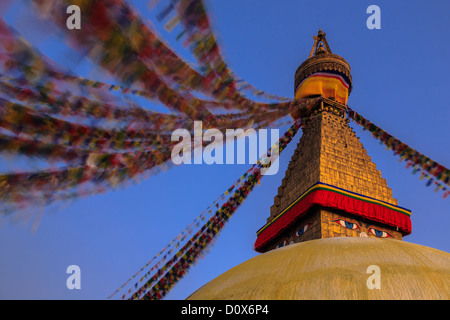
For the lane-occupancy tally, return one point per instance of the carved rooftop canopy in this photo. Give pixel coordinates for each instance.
(322, 59)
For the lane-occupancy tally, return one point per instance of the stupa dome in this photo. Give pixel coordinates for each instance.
(336, 268)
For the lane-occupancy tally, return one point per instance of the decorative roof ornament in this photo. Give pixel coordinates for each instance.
(322, 59)
(319, 41)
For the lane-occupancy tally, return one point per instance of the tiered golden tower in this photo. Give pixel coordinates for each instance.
(331, 187)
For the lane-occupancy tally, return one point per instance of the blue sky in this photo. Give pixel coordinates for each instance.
(400, 77)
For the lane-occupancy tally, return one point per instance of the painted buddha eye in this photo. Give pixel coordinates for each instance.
(282, 244)
(302, 229)
(347, 224)
(379, 233)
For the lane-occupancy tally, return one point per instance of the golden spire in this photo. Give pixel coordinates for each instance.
(319, 42)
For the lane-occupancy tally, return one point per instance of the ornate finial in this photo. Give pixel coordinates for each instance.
(321, 59)
(321, 49)
(319, 42)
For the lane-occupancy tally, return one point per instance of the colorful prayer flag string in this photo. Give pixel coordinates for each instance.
(175, 269)
(431, 170)
(176, 242)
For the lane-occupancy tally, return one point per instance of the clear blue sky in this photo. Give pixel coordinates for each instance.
(400, 76)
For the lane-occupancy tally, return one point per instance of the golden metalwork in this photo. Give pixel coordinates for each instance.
(322, 59)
